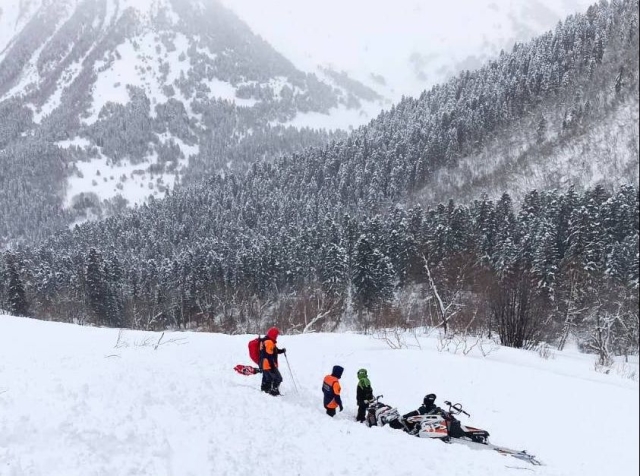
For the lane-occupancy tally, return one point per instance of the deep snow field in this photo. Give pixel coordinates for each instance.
(72, 402)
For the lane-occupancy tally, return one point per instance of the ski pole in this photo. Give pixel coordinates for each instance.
(291, 373)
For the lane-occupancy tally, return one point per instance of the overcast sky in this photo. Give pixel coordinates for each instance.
(412, 43)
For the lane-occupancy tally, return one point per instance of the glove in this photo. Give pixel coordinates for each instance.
(283, 351)
(341, 408)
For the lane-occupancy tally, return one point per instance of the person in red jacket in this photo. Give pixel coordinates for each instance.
(331, 390)
(269, 351)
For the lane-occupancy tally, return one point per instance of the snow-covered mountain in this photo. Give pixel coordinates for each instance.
(170, 60)
(120, 99)
(87, 401)
(401, 47)
(167, 48)
(104, 103)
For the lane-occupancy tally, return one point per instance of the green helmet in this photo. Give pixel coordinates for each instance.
(362, 373)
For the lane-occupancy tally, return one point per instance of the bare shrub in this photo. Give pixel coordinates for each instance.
(465, 343)
(545, 351)
(625, 370)
(603, 366)
(398, 338)
(517, 309)
(149, 341)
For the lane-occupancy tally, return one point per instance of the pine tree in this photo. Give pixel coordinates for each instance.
(506, 250)
(17, 298)
(373, 275)
(96, 287)
(545, 258)
(333, 269)
(484, 227)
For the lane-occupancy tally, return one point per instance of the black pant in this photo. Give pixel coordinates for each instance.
(331, 412)
(362, 410)
(271, 380)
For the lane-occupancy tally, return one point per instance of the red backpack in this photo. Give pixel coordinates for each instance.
(254, 350)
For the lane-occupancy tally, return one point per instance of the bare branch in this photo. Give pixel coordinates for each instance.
(320, 316)
(443, 309)
(156, 347)
(120, 342)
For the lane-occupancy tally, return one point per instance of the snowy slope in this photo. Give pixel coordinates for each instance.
(72, 402)
(73, 66)
(14, 16)
(573, 161)
(411, 44)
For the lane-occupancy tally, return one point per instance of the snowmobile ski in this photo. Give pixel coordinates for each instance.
(518, 454)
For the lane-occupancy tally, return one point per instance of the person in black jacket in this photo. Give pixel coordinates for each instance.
(428, 407)
(364, 394)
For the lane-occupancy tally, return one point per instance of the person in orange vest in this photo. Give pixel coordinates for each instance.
(269, 351)
(331, 389)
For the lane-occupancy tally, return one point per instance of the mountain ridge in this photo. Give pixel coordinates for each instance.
(143, 94)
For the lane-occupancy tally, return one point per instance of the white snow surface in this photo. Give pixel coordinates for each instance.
(72, 402)
(131, 181)
(136, 66)
(338, 118)
(14, 15)
(12, 21)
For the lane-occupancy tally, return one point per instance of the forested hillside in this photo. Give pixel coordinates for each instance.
(338, 236)
(104, 102)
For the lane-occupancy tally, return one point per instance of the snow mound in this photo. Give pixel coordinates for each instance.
(87, 401)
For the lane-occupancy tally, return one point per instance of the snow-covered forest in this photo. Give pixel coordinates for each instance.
(343, 236)
(561, 264)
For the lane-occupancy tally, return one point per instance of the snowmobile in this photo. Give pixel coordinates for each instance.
(443, 425)
(380, 414)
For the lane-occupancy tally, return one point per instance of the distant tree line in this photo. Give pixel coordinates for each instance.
(560, 265)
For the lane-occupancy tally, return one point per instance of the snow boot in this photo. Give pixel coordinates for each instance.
(275, 391)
